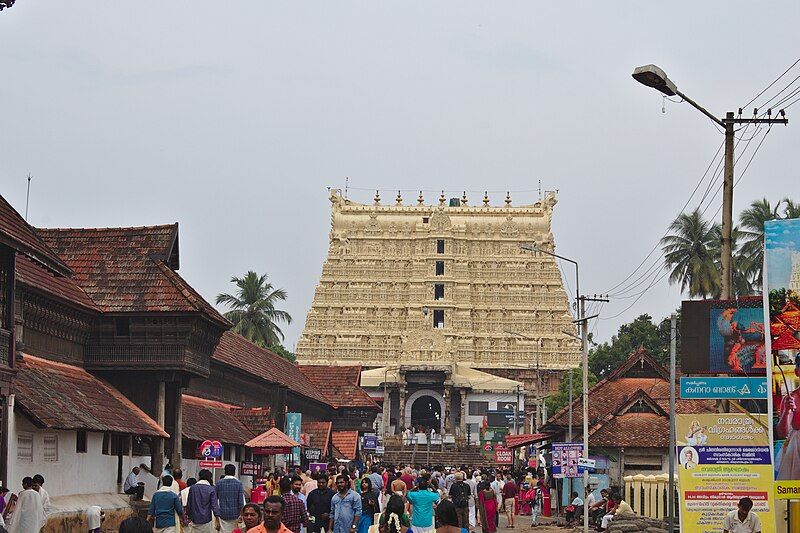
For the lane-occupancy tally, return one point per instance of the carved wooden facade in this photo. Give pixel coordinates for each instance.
(430, 283)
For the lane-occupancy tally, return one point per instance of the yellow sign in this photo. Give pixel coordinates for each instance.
(721, 459)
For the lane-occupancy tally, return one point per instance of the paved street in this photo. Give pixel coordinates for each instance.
(523, 525)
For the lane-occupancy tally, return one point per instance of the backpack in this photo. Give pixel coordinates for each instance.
(460, 493)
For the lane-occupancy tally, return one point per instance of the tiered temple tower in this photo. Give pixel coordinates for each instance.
(421, 286)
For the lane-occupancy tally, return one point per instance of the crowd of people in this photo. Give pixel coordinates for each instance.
(381, 499)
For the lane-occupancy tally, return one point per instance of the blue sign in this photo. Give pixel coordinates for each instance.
(724, 388)
(370, 442)
(293, 422)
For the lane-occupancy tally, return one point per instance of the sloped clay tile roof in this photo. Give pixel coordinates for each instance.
(208, 419)
(60, 396)
(515, 441)
(256, 419)
(129, 269)
(38, 277)
(238, 352)
(640, 430)
(786, 341)
(609, 394)
(346, 442)
(272, 438)
(20, 235)
(319, 434)
(340, 385)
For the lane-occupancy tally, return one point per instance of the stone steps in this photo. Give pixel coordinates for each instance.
(457, 457)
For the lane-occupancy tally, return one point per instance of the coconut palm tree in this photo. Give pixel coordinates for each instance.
(792, 209)
(253, 312)
(752, 247)
(689, 253)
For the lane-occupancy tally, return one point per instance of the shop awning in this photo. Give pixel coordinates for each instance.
(517, 441)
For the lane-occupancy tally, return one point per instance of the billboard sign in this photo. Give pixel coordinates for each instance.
(724, 388)
(723, 337)
(312, 455)
(722, 458)
(503, 456)
(370, 442)
(782, 312)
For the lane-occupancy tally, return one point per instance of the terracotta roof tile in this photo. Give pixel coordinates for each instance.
(640, 430)
(60, 396)
(36, 276)
(340, 385)
(272, 438)
(346, 442)
(319, 434)
(256, 419)
(129, 269)
(20, 235)
(238, 352)
(208, 419)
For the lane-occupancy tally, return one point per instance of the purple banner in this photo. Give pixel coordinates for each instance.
(731, 455)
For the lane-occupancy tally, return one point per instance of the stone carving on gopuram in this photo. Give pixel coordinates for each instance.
(432, 284)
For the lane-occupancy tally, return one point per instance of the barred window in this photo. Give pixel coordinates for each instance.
(50, 447)
(25, 447)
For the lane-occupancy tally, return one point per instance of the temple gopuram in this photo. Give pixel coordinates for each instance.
(448, 315)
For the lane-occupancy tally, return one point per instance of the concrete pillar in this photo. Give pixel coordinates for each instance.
(448, 399)
(157, 460)
(464, 410)
(387, 409)
(177, 434)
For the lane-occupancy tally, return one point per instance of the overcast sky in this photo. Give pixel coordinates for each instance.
(232, 118)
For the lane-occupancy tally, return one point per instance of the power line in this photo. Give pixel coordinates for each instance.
(773, 83)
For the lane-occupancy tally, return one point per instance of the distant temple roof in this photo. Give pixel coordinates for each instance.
(60, 396)
(340, 385)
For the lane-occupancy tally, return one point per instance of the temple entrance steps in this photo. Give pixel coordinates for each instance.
(462, 455)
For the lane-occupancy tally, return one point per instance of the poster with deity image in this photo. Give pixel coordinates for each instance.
(782, 312)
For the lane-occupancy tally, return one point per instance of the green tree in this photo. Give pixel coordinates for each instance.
(605, 357)
(283, 352)
(751, 251)
(791, 209)
(560, 399)
(253, 313)
(689, 254)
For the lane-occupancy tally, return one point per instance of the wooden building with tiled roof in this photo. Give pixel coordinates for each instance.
(115, 361)
(628, 418)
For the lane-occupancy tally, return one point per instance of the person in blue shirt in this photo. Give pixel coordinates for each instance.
(163, 506)
(345, 508)
(202, 506)
(230, 495)
(422, 499)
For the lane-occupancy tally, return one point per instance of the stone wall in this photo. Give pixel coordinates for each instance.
(631, 523)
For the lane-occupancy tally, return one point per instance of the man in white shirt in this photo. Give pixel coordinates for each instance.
(28, 512)
(38, 486)
(133, 485)
(741, 519)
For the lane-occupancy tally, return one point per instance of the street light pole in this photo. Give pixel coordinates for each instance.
(652, 76)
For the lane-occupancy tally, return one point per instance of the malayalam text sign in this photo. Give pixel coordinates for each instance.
(722, 458)
(565, 459)
(724, 388)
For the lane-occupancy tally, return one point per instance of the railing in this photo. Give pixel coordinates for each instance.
(647, 495)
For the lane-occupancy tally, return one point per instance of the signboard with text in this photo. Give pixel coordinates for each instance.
(312, 455)
(370, 442)
(722, 458)
(503, 455)
(250, 468)
(724, 388)
(565, 459)
(293, 421)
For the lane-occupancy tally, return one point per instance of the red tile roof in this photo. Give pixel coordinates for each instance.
(38, 277)
(208, 419)
(786, 341)
(640, 430)
(515, 441)
(256, 419)
(238, 352)
(20, 235)
(272, 438)
(129, 269)
(319, 434)
(346, 443)
(60, 396)
(340, 385)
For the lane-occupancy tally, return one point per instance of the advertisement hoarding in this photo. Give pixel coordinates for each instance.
(565, 459)
(722, 458)
(723, 337)
(782, 312)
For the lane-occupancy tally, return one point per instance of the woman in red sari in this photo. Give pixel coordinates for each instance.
(487, 500)
(526, 496)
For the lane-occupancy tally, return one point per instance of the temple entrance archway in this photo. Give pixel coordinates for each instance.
(425, 408)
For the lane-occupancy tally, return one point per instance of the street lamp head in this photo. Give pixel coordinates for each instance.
(654, 77)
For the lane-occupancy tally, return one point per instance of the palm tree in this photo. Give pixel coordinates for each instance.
(792, 209)
(689, 254)
(253, 312)
(752, 249)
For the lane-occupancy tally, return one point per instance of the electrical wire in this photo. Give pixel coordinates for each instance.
(699, 183)
(773, 83)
